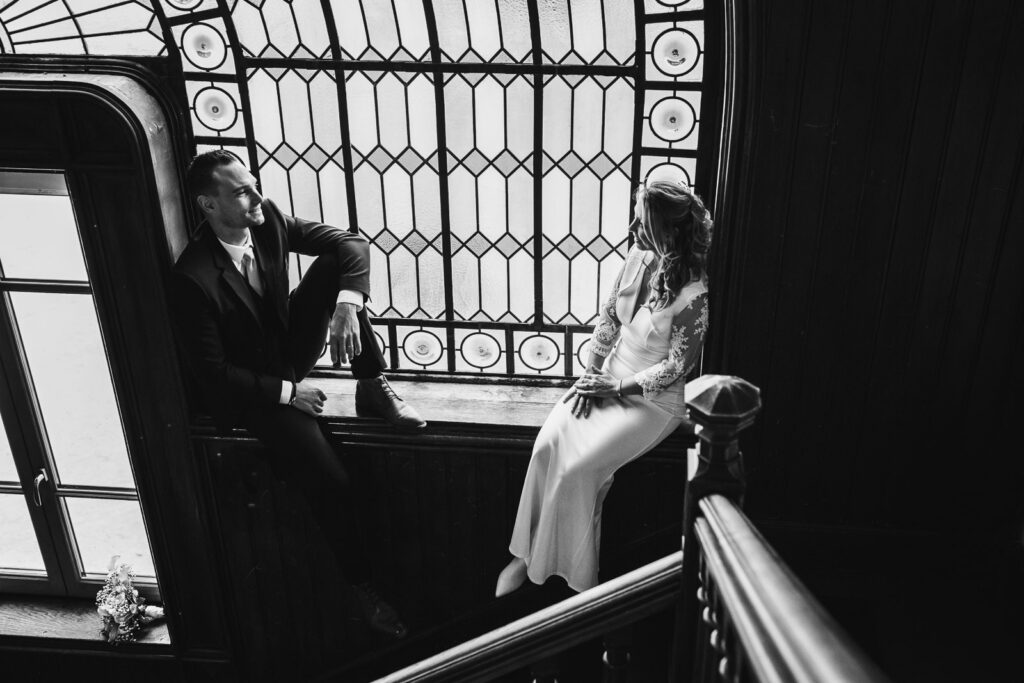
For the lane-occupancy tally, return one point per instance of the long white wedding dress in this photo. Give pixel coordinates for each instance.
(558, 525)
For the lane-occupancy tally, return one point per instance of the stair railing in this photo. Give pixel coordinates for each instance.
(606, 607)
(741, 614)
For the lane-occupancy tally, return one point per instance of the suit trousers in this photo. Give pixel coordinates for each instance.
(301, 454)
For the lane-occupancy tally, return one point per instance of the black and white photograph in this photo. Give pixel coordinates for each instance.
(526, 341)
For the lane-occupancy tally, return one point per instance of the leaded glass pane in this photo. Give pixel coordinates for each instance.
(489, 129)
(174, 8)
(586, 192)
(20, 550)
(483, 31)
(422, 348)
(382, 29)
(581, 347)
(98, 27)
(677, 169)
(675, 51)
(661, 6)
(394, 155)
(480, 351)
(205, 47)
(282, 28)
(587, 31)
(538, 353)
(671, 119)
(216, 108)
(296, 121)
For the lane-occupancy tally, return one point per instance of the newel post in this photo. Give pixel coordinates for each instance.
(723, 406)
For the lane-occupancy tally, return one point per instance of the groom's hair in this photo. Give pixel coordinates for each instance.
(199, 176)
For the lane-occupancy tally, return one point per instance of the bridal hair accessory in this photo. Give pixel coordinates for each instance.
(119, 604)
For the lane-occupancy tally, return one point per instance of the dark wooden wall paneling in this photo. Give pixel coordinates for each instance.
(437, 521)
(876, 293)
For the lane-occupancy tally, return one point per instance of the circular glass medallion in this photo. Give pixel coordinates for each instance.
(538, 352)
(422, 347)
(480, 350)
(582, 351)
(672, 119)
(203, 46)
(669, 173)
(215, 108)
(675, 52)
(184, 4)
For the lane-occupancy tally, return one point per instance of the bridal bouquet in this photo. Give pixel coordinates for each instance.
(119, 604)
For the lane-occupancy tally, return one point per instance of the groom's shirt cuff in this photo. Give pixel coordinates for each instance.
(286, 391)
(351, 296)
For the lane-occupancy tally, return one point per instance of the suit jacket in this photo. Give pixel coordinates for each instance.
(234, 343)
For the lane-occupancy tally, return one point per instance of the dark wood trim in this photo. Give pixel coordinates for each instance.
(727, 128)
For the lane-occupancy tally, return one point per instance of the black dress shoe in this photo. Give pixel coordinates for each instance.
(378, 615)
(375, 397)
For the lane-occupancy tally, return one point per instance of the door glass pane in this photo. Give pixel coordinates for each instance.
(19, 549)
(39, 236)
(8, 473)
(104, 528)
(68, 365)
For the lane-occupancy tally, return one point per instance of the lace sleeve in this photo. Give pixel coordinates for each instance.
(607, 329)
(686, 342)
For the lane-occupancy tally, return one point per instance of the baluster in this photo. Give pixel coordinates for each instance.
(709, 660)
(617, 655)
(546, 670)
(703, 600)
(723, 643)
(723, 406)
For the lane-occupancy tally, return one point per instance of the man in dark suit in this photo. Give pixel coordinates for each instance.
(249, 343)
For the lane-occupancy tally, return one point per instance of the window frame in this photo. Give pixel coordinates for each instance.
(30, 448)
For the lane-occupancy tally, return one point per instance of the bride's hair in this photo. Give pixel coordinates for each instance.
(680, 227)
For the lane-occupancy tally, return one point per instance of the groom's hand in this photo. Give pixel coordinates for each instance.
(344, 335)
(309, 399)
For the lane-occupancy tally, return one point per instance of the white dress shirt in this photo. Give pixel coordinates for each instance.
(236, 252)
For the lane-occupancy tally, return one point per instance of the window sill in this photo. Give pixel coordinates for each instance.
(469, 414)
(67, 622)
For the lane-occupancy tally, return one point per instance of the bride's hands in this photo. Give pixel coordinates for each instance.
(588, 391)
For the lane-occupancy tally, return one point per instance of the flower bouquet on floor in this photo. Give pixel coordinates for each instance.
(123, 610)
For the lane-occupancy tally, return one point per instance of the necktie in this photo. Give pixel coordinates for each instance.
(251, 273)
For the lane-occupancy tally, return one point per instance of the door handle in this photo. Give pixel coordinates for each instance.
(37, 483)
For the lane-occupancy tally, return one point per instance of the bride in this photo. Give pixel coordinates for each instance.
(649, 337)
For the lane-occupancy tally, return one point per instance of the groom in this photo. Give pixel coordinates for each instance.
(249, 343)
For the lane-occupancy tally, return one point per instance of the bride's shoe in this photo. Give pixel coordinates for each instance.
(512, 577)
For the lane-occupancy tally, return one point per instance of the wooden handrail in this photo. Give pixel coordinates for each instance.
(621, 601)
(785, 633)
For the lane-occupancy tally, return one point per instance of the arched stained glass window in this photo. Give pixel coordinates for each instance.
(488, 149)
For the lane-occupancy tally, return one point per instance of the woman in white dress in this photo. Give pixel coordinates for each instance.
(649, 336)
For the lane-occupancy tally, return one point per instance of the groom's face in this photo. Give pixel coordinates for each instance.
(235, 200)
